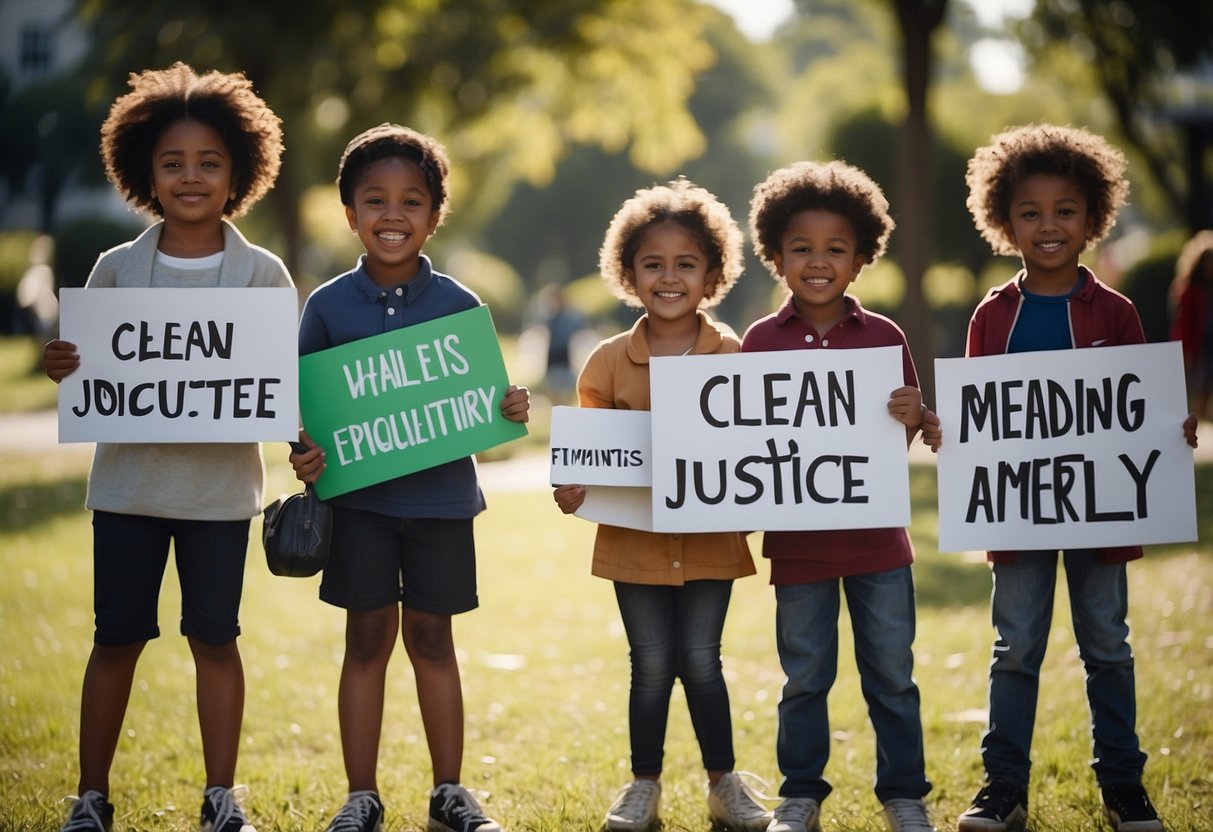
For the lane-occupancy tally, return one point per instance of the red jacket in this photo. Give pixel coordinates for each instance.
(1099, 317)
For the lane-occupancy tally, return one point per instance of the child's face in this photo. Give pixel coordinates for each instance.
(393, 215)
(192, 173)
(670, 271)
(817, 259)
(1049, 225)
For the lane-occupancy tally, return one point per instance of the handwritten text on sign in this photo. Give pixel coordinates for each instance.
(180, 365)
(1067, 448)
(404, 401)
(790, 440)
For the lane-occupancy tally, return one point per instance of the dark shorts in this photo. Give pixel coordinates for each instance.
(130, 553)
(375, 561)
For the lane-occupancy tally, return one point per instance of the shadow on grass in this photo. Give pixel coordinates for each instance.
(26, 505)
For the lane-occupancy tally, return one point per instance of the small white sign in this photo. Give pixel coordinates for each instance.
(180, 365)
(791, 440)
(597, 446)
(1075, 448)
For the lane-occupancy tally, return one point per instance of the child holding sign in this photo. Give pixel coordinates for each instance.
(193, 151)
(1047, 194)
(673, 250)
(816, 226)
(402, 553)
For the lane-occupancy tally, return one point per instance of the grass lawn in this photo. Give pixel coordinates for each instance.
(546, 680)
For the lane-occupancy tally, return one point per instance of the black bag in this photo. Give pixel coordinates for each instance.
(296, 534)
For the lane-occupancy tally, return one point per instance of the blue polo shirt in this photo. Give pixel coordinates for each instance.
(350, 307)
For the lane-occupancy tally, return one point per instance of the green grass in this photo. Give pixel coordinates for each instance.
(546, 678)
(23, 385)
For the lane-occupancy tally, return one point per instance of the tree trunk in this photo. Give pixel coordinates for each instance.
(913, 205)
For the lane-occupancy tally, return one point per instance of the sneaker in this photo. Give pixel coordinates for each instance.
(797, 814)
(635, 806)
(362, 812)
(733, 803)
(453, 809)
(221, 810)
(998, 807)
(90, 813)
(1129, 809)
(907, 815)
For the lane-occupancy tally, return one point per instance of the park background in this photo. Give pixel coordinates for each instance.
(553, 112)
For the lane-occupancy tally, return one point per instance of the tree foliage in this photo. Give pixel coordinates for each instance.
(508, 85)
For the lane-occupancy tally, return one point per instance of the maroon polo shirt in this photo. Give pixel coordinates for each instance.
(809, 556)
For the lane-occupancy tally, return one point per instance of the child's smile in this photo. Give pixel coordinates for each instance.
(671, 271)
(1049, 224)
(817, 260)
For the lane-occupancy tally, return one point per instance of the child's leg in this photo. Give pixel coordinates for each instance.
(700, 608)
(806, 626)
(648, 620)
(1022, 612)
(103, 700)
(1099, 605)
(881, 605)
(210, 564)
(370, 636)
(220, 686)
(431, 648)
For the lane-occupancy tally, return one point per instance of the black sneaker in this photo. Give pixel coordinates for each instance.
(453, 809)
(90, 813)
(221, 811)
(998, 807)
(1129, 809)
(362, 812)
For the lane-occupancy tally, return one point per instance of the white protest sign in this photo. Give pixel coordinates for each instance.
(629, 507)
(793, 440)
(1064, 449)
(180, 365)
(597, 446)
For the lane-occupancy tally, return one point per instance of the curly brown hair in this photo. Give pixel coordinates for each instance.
(698, 211)
(224, 101)
(996, 170)
(386, 141)
(831, 186)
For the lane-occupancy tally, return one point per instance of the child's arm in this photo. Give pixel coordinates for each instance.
(905, 405)
(307, 458)
(1190, 430)
(569, 497)
(60, 360)
(516, 406)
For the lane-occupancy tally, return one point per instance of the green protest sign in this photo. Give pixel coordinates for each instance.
(406, 400)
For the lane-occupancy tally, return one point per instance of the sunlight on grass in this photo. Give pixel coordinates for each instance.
(546, 680)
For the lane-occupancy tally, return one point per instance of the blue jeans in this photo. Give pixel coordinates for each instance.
(882, 617)
(674, 631)
(1022, 605)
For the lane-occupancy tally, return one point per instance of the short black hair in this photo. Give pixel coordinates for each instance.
(387, 141)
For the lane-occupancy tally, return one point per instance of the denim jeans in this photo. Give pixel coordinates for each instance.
(882, 617)
(1022, 605)
(674, 632)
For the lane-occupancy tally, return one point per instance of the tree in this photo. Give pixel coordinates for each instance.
(508, 85)
(1136, 48)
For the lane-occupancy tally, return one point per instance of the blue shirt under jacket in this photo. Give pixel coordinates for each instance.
(351, 306)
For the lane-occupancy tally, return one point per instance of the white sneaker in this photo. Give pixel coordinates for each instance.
(907, 815)
(797, 814)
(635, 806)
(733, 803)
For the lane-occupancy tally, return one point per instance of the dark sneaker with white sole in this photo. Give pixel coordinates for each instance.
(90, 813)
(453, 809)
(1129, 809)
(998, 807)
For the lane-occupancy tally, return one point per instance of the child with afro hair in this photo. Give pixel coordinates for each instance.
(1046, 194)
(192, 150)
(816, 226)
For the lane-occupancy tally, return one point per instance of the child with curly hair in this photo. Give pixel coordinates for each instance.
(1046, 194)
(816, 226)
(192, 150)
(403, 556)
(673, 250)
